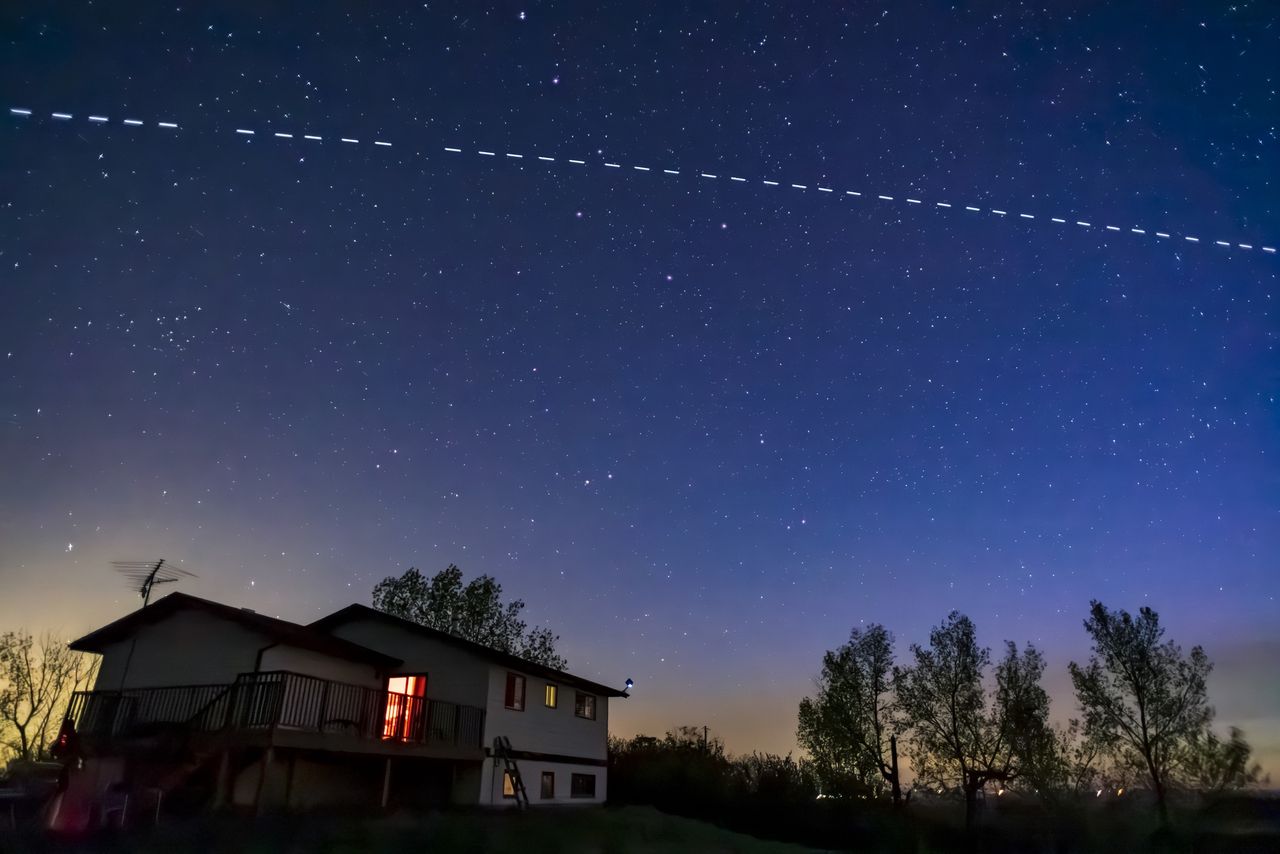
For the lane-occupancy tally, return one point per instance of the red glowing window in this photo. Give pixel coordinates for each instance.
(406, 705)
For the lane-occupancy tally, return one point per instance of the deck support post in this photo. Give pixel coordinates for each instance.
(267, 758)
(386, 782)
(222, 786)
(288, 780)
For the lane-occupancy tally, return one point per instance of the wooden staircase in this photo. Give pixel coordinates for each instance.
(502, 750)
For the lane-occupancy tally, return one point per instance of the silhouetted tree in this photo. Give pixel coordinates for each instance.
(1212, 765)
(957, 737)
(1140, 695)
(37, 678)
(847, 727)
(776, 781)
(474, 611)
(690, 774)
(1062, 765)
(681, 772)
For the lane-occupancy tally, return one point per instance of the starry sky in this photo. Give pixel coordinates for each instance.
(702, 426)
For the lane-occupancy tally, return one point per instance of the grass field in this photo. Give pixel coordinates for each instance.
(626, 830)
(1244, 826)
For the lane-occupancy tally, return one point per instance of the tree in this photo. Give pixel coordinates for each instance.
(1142, 697)
(957, 737)
(1063, 765)
(1215, 766)
(37, 678)
(847, 728)
(686, 772)
(474, 611)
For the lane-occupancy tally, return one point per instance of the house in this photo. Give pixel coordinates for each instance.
(199, 704)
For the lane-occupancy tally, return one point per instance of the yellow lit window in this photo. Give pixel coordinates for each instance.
(508, 785)
(550, 698)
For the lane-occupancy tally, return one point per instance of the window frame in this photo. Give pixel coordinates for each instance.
(547, 776)
(578, 705)
(551, 692)
(404, 719)
(510, 700)
(574, 781)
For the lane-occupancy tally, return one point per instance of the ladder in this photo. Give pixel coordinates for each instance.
(502, 750)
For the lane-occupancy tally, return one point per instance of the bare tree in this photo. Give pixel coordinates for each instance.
(1140, 695)
(847, 728)
(958, 738)
(37, 677)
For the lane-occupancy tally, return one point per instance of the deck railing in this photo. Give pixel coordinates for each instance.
(276, 700)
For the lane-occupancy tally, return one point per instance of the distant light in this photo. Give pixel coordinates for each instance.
(1099, 793)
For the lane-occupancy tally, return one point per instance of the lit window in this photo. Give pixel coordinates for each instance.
(515, 692)
(582, 785)
(548, 785)
(550, 697)
(584, 706)
(405, 706)
(508, 785)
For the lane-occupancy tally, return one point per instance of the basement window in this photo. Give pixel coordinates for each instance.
(582, 785)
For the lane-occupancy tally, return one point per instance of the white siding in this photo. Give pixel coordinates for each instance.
(320, 665)
(192, 647)
(453, 675)
(188, 648)
(531, 772)
(539, 729)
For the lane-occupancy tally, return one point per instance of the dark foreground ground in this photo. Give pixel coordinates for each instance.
(1249, 826)
(628, 830)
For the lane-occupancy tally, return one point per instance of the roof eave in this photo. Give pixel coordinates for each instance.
(356, 611)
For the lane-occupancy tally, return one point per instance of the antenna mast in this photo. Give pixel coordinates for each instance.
(143, 576)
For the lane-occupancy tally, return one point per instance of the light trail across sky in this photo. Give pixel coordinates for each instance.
(1172, 234)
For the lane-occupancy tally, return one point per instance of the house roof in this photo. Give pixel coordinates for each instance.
(280, 631)
(352, 613)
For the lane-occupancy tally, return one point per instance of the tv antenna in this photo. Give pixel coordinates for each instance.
(143, 575)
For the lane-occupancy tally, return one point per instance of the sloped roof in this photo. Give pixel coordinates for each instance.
(280, 631)
(352, 613)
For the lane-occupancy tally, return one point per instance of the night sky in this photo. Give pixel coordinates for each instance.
(702, 426)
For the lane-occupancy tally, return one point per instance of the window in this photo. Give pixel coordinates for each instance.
(515, 692)
(550, 697)
(508, 785)
(548, 785)
(584, 706)
(402, 717)
(582, 785)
